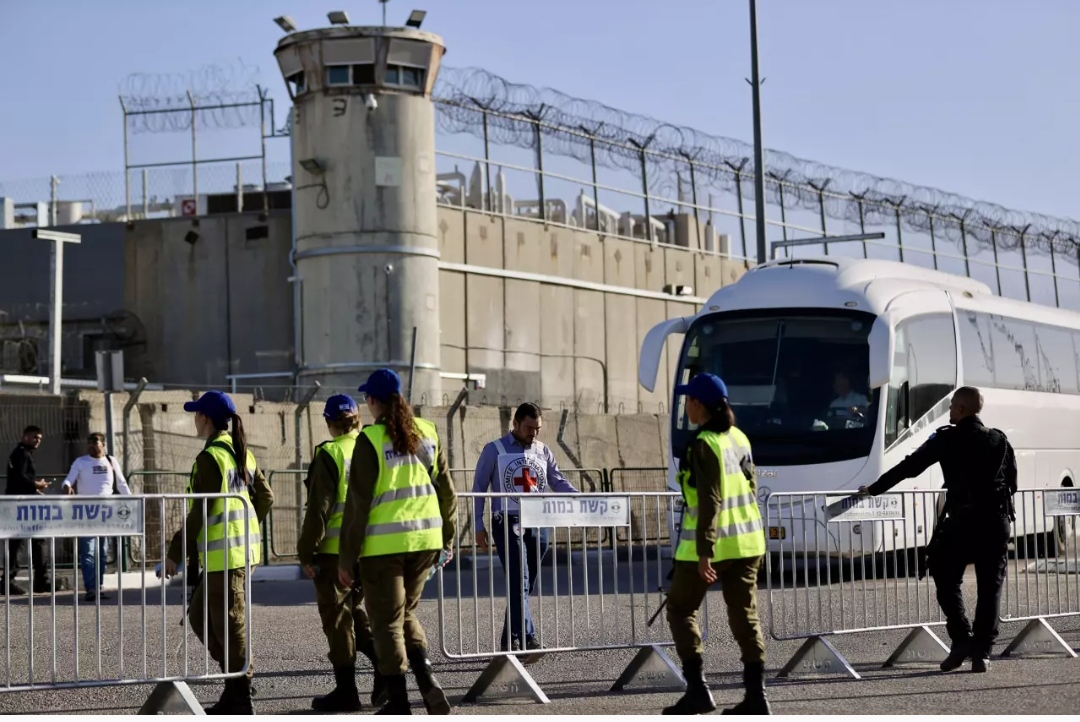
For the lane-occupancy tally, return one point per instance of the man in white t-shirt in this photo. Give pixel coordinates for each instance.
(96, 474)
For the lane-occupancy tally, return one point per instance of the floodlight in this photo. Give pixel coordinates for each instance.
(286, 23)
(313, 166)
(416, 19)
(338, 17)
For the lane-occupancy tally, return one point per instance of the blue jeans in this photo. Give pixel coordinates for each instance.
(521, 580)
(91, 549)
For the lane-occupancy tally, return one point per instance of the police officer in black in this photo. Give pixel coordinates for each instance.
(979, 468)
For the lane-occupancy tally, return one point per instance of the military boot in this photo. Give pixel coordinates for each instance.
(755, 701)
(235, 698)
(697, 699)
(434, 698)
(398, 694)
(378, 682)
(345, 697)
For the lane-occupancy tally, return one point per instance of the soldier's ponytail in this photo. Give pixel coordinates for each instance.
(721, 417)
(401, 425)
(239, 442)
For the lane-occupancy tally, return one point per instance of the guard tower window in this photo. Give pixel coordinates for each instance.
(405, 75)
(338, 75)
(363, 74)
(296, 81)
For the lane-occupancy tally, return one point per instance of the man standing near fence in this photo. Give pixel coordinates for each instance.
(979, 469)
(22, 480)
(96, 474)
(517, 463)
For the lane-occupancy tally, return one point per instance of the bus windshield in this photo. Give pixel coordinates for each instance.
(797, 381)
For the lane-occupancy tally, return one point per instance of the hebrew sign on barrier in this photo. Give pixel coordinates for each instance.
(864, 508)
(59, 517)
(565, 511)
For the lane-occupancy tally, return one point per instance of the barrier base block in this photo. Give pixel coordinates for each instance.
(817, 656)
(921, 646)
(505, 678)
(1038, 638)
(171, 698)
(650, 668)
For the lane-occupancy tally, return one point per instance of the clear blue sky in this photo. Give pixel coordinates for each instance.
(975, 97)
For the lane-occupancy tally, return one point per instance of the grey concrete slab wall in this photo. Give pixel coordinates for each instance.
(569, 338)
(212, 307)
(222, 304)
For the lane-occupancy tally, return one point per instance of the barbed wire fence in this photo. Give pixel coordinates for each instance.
(224, 95)
(481, 104)
(478, 104)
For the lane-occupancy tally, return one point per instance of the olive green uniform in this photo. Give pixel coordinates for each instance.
(721, 522)
(392, 583)
(341, 610)
(738, 577)
(226, 624)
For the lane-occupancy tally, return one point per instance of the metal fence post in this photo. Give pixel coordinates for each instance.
(737, 172)
(301, 407)
(645, 187)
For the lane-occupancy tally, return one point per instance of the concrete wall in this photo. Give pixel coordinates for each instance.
(550, 342)
(199, 311)
(218, 306)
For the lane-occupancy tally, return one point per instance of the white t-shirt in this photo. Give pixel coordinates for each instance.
(95, 477)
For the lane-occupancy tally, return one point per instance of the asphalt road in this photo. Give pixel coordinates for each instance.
(290, 650)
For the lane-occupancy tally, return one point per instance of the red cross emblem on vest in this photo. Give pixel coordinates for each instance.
(525, 479)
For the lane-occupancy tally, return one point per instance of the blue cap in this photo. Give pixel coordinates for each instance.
(709, 389)
(338, 405)
(214, 404)
(381, 385)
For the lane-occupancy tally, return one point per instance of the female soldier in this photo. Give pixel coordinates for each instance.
(721, 537)
(341, 608)
(226, 546)
(400, 511)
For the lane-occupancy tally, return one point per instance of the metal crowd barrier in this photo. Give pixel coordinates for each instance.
(287, 515)
(155, 483)
(139, 634)
(585, 480)
(599, 592)
(853, 567)
(1043, 577)
(636, 479)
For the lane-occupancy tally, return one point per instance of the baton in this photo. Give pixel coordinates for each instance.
(658, 609)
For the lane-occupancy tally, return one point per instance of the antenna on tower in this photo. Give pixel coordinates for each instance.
(383, 3)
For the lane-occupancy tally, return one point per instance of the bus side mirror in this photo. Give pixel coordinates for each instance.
(881, 352)
(653, 347)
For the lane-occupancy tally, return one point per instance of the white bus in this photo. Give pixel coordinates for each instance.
(801, 342)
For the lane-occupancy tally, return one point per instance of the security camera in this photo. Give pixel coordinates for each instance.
(370, 102)
(388, 268)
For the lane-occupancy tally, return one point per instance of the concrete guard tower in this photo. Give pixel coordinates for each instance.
(366, 244)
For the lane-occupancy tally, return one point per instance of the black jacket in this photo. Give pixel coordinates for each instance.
(977, 463)
(21, 474)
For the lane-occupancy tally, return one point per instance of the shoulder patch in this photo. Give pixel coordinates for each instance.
(938, 430)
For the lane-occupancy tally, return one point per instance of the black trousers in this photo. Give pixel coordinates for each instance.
(982, 541)
(508, 545)
(39, 562)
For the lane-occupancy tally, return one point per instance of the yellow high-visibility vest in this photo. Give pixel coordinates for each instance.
(405, 514)
(224, 530)
(739, 531)
(340, 450)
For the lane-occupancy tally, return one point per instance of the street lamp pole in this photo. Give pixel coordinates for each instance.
(759, 151)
